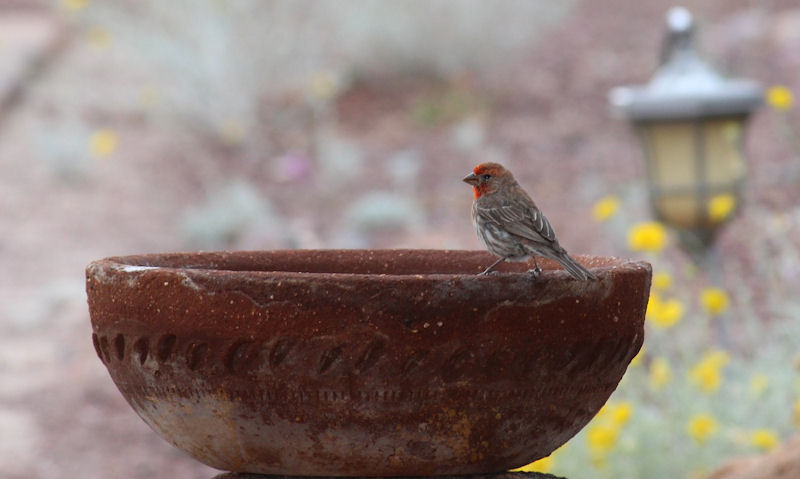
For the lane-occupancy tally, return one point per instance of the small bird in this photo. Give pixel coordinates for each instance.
(510, 225)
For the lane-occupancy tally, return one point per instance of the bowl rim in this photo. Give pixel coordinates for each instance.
(207, 261)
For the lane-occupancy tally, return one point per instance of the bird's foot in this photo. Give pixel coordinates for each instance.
(491, 267)
(488, 271)
(536, 272)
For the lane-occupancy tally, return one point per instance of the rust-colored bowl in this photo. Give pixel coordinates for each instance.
(364, 362)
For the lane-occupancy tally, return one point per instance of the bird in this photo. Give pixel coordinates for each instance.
(510, 225)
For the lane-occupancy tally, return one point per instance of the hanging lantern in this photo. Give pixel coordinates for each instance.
(691, 121)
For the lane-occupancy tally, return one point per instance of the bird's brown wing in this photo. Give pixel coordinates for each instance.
(521, 219)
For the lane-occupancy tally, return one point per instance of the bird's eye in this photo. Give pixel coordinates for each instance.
(486, 177)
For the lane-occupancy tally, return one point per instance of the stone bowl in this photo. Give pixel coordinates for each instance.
(364, 362)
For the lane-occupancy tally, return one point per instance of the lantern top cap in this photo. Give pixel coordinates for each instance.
(679, 19)
(685, 86)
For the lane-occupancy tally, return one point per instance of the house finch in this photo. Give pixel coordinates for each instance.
(510, 225)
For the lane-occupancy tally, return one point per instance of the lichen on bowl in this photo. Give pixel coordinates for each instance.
(364, 362)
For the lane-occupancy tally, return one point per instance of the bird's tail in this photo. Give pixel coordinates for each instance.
(577, 270)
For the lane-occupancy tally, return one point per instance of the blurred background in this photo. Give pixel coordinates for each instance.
(136, 126)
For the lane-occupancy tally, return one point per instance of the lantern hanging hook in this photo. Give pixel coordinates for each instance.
(680, 32)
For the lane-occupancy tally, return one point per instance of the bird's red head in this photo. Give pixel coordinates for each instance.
(487, 178)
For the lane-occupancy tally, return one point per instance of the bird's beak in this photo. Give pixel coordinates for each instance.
(472, 179)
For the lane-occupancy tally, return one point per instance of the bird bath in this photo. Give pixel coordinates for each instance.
(364, 362)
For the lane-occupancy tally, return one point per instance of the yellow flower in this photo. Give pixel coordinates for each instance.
(232, 131)
(701, 427)
(780, 97)
(647, 236)
(324, 85)
(664, 314)
(614, 413)
(637, 360)
(660, 373)
(621, 413)
(602, 413)
(603, 432)
(662, 281)
(669, 313)
(715, 301)
(543, 465)
(759, 383)
(653, 302)
(797, 412)
(707, 373)
(602, 437)
(99, 37)
(74, 5)
(605, 208)
(721, 206)
(764, 439)
(103, 143)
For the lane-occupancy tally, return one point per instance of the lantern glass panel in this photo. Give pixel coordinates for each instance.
(695, 169)
(724, 156)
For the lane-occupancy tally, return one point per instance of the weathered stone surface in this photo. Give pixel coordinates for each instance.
(501, 475)
(364, 362)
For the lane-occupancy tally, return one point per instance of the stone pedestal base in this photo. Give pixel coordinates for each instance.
(500, 475)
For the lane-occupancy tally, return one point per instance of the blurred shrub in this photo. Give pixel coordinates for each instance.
(384, 210)
(227, 215)
(217, 60)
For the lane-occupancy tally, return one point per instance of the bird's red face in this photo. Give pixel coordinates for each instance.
(486, 178)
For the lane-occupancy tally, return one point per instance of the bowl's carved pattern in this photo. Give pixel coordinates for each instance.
(239, 356)
(119, 346)
(164, 347)
(247, 356)
(141, 349)
(371, 354)
(196, 355)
